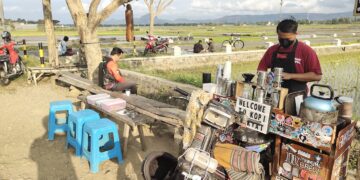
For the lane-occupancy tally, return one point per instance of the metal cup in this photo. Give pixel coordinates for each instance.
(261, 78)
(260, 93)
(278, 74)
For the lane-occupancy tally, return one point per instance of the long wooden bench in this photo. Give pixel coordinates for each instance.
(129, 123)
(149, 110)
(159, 111)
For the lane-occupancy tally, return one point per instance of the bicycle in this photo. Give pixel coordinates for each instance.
(234, 42)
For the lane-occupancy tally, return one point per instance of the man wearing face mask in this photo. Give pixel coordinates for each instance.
(299, 61)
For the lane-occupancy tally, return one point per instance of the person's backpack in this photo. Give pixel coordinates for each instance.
(102, 71)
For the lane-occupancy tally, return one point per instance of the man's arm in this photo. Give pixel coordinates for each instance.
(304, 77)
(116, 74)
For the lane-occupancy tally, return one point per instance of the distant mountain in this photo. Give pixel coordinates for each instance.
(275, 17)
(234, 19)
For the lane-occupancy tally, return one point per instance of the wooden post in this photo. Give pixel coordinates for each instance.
(24, 49)
(142, 138)
(277, 154)
(41, 55)
(125, 138)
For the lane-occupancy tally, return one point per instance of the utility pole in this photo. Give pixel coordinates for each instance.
(2, 16)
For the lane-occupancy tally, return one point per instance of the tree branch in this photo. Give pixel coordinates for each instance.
(107, 11)
(93, 9)
(76, 8)
(147, 3)
(162, 6)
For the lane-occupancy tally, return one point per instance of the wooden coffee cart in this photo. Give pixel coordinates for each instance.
(310, 150)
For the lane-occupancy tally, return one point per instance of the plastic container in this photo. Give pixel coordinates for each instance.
(113, 105)
(93, 98)
(99, 102)
(201, 159)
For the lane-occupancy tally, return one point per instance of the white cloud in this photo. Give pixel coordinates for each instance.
(12, 8)
(191, 9)
(270, 6)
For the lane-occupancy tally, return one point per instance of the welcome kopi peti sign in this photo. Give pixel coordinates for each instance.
(257, 114)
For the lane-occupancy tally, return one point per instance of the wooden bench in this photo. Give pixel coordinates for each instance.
(129, 123)
(162, 112)
(35, 73)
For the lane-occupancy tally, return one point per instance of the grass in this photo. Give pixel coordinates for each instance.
(194, 76)
(201, 31)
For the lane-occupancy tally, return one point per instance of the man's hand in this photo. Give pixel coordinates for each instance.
(286, 76)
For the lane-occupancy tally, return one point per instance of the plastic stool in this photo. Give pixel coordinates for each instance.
(55, 107)
(75, 123)
(92, 133)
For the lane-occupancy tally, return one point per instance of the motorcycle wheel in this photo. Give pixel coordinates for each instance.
(22, 67)
(3, 80)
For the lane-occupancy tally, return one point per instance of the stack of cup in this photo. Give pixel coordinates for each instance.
(261, 79)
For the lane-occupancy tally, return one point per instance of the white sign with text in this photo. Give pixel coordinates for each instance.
(257, 114)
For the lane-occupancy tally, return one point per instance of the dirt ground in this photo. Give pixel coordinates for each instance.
(25, 152)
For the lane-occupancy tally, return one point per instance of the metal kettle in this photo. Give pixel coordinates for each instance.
(320, 102)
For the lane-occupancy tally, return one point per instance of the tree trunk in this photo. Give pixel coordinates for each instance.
(152, 21)
(51, 39)
(92, 51)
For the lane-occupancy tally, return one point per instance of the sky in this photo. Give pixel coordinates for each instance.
(189, 9)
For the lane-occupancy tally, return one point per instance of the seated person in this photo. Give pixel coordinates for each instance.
(198, 47)
(113, 80)
(63, 49)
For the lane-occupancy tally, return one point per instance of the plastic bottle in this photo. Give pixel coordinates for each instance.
(201, 159)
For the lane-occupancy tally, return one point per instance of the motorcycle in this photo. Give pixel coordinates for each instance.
(156, 46)
(9, 71)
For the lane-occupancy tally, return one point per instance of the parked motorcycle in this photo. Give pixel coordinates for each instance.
(156, 46)
(9, 71)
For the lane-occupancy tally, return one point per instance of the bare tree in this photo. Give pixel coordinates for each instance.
(160, 7)
(86, 24)
(49, 28)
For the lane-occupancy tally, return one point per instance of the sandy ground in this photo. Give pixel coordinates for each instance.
(25, 152)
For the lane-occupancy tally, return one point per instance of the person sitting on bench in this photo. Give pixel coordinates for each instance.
(113, 80)
(63, 48)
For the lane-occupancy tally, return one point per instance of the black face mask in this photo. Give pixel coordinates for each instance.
(285, 43)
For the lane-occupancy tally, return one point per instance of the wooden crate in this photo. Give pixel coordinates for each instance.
(297, 161)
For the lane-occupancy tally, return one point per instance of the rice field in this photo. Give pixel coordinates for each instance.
(341, 71)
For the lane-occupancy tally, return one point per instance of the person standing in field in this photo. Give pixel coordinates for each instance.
(299, 61)
(211, 47)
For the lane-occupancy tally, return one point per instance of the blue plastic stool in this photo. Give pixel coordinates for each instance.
(94, 133)
(55, 107)
(75, 123)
